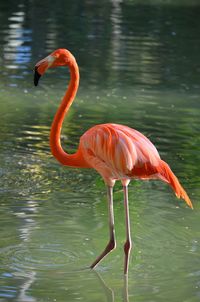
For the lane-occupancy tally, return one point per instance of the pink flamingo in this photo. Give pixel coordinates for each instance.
(117, 152)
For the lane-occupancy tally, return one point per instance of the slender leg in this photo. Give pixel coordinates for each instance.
(125, 289)
(112, 243)
(128, 243)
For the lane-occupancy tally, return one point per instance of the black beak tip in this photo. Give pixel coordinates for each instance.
(36, 77)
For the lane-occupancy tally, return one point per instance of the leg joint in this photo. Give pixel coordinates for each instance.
(127, 246)
(112, 244)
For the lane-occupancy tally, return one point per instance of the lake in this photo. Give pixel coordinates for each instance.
(139, 66)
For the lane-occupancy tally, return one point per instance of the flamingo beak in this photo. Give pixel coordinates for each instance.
(36, 76)
(41, 67)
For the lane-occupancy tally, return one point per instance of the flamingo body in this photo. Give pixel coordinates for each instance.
(117, 152)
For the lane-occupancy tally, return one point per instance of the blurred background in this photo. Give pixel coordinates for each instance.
(139, 66)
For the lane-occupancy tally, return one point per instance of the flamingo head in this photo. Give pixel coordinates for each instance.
(59, 57)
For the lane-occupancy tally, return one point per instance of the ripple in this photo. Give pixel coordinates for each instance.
(32, 257)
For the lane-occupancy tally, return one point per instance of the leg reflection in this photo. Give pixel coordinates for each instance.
(109, 292)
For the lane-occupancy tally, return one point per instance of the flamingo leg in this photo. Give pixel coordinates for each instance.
(128, 243)
(112, 242)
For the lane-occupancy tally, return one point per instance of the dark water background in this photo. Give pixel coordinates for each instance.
(139, 65)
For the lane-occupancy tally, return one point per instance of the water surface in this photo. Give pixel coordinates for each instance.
(139, 64)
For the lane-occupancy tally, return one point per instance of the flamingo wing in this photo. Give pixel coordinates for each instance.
(118, 152)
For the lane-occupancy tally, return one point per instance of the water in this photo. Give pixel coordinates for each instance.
(139, 64)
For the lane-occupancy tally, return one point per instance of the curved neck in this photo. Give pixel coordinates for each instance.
(74, 160)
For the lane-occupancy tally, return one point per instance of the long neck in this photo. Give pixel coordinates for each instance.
(74, 160)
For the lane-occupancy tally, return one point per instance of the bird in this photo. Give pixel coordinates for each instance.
(116, 152)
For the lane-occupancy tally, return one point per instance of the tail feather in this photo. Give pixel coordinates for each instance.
(167, 174)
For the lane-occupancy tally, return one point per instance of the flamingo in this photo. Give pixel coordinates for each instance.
(115, 151)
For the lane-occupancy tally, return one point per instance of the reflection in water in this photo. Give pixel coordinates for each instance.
(141, 57)
(109, 292)
(23, 296)
(116, 32)
(29, 224)
(117, 40)
(15, 49)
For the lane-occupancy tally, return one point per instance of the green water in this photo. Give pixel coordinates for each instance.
(139, 64)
